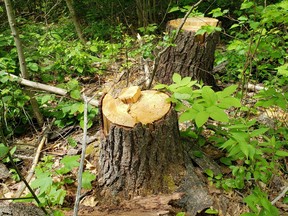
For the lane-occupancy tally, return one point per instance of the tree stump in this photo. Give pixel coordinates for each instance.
(140, 152)
(193, 55)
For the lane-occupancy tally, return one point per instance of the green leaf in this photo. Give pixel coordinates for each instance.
(209, 95)
(185, 90)
(234, 26)
(198, 154)
(176, 78)
(244, 148)
(219, 115)
(226, 161)
(185, 81)
(242, 18)
(209, 172)
(200, 31)
(3, 151)
(72, 84)
(81, 108)
(254, 25)
(70, 162)
(94, 49)
(201, 118)
(87, 178)
(258, 132)
(43, 181)
(227, 91)
(229, 102)
(283, 70)
(181, 96)
(160, 86)
(281, 153)
(72, 142)
(187, 115)
(58, 213)
(228, 144)
(89, 123)
(252, 151)
(75, 94)
(56, 196)
(216, 12)
(246, 5)
(211, 211)
(46, 98)
(74, 108)
(33, 66)
(173, 9)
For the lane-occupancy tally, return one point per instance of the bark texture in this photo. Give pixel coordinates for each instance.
(22, 61)
(141, 160)
(192, 56)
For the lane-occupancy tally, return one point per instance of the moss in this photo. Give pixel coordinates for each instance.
(169, 183)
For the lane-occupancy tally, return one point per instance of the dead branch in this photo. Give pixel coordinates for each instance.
(48, 88)
(282, 194)
(32, 169)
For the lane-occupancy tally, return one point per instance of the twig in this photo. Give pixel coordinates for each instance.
(146, 66)
(282, 194)
(253, 87)
(36, 159)
(78, 194)
(20, 198)
(157, 59)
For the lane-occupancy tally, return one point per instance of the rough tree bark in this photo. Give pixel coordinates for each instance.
(22, 61)
(193, 55)
(140, 148)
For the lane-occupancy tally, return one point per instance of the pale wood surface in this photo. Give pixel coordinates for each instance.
(134, 106)
(194, 23)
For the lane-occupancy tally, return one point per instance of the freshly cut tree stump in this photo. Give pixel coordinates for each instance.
(193, 55)
(140, 152)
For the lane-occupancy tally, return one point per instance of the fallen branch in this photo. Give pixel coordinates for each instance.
(47, 88)
(282, 194)
(253, 87)
(35, 160)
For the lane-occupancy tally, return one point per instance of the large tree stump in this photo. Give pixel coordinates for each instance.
(140, 152)
(193, 55)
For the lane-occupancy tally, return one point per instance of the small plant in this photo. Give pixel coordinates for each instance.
(51, 182)
(259, 204)
(198, 103)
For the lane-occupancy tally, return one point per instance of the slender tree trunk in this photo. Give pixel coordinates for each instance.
(15, 34)
(75, 20)
(22, 61)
